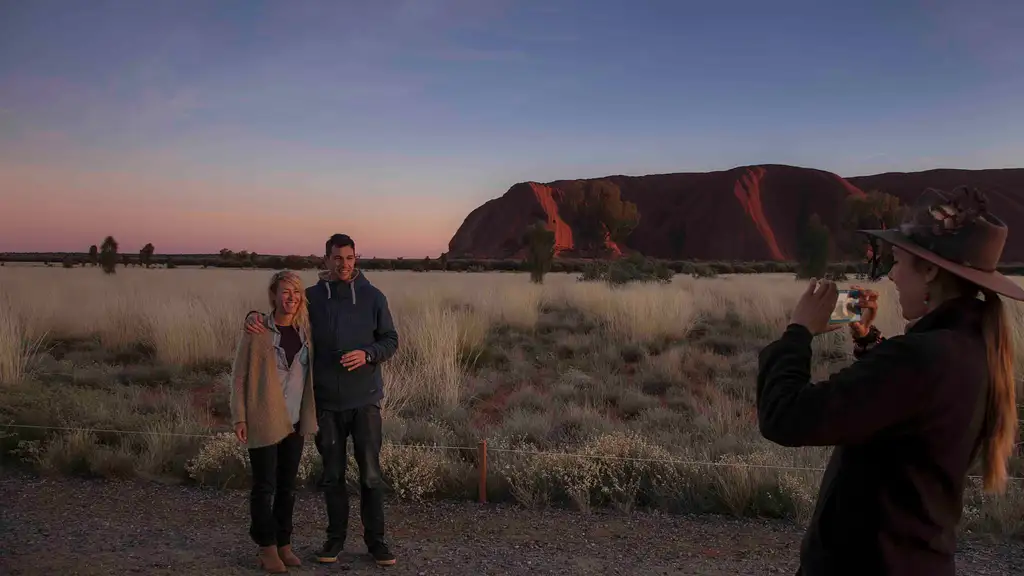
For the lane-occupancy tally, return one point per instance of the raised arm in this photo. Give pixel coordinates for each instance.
(865, 334)
(877, 391)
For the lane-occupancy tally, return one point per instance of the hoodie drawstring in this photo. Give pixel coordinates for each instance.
(325, 275)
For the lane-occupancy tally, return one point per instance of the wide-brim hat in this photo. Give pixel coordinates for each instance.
(957, 233)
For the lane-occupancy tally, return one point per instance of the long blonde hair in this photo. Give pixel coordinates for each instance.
(1000, 428)
(301, 318)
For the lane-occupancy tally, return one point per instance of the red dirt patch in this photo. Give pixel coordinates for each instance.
(202, 399)
(489, 412)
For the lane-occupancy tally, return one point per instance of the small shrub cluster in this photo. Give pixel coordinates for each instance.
(411, 473)
(625, 470)
(634, 268)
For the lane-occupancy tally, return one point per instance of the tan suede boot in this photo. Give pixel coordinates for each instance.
(288, 557)
(270, 561)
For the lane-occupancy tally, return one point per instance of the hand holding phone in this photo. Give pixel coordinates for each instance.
(847, 309)
(867, 301)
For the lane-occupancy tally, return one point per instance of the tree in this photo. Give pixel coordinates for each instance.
(146, 255)
(293, 262)
(621, 221)
(596, 211)
(94, 255)
(108, 255)
(875, 209)
(540, 251)
(677, 239)
(816, 242)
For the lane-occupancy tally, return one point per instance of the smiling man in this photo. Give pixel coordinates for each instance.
(353, 333)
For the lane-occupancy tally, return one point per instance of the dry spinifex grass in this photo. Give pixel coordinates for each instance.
(690, 348)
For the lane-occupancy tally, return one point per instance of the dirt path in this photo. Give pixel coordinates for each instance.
(73, 526)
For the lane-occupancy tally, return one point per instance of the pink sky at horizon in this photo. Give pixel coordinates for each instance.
(58, 210)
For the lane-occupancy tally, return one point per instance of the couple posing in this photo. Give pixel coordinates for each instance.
(312, 366)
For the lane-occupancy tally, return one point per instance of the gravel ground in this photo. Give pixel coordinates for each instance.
(77, 526)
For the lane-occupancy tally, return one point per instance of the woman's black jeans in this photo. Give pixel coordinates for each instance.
(272, 498)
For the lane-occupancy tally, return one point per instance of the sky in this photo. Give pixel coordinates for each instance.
(269, 125)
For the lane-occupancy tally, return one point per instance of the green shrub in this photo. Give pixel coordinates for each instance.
(634, 268)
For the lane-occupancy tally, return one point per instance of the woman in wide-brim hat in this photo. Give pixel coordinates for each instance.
(911, 414)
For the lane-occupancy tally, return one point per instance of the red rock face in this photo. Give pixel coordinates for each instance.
(747, 213)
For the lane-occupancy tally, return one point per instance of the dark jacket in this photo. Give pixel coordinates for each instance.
(347, 316)
(906, 420)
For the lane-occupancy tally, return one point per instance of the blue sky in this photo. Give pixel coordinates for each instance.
(203, 124)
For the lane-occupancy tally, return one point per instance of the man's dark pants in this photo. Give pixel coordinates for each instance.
(364, 425)
(272, 497)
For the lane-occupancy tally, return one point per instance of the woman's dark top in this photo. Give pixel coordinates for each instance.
(906, 419)
(290, 342)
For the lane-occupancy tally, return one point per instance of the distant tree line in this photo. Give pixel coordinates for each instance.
(698, 268)
(598, 209)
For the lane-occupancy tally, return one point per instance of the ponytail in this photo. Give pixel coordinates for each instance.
(1000, 427)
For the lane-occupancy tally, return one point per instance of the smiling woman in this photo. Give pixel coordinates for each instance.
(272, 408)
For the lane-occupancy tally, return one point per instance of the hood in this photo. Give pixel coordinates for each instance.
(331, 286)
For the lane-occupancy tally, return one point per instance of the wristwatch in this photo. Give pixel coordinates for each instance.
(369, 358)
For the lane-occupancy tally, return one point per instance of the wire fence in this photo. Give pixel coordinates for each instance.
(481, 448)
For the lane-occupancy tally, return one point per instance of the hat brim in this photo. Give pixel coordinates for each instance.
(994, 281)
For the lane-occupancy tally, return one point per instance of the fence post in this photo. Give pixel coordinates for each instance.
(482, 457)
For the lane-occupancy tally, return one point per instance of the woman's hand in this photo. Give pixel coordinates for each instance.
(816, 306)
(868, 303)
(242, 432)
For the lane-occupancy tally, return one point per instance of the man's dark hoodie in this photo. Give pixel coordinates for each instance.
(347, 316)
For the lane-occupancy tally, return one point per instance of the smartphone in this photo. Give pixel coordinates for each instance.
(847, 310)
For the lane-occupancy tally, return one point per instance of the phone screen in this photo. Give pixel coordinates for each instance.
(846, 309)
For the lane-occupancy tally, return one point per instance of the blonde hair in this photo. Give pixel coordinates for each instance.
(999, 430)
(301, 318)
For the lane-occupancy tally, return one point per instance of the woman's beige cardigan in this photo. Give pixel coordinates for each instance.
(256, 394)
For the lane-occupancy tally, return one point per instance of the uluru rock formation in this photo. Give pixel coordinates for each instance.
(751, 213)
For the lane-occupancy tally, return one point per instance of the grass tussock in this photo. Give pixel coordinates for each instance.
(588, 396)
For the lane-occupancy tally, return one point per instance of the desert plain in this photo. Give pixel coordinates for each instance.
(592, 399)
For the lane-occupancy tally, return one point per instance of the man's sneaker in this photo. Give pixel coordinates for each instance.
(330, 551)
(382, 554)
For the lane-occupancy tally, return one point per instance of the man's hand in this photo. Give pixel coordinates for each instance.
(868, 302)
(816, 306)
(354, 359)
(242, 432)
(254, 323)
